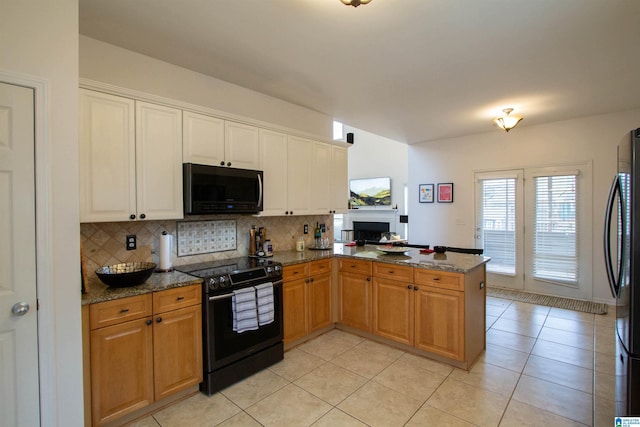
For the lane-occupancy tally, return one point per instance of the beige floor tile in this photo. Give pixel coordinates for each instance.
(572, 315)
(289, 406)
(564, 353)
(296, 363)
(240, 420)
(330, 345)
(516, 327)
(504, 357)
(498, 302)
(523, 415)
(489, 321)
(336, 417)
(426, 363)
(494, 310)
(607, 363)
(198, 410)
(429, 416)
(144, 422)
(533, 308)
(525, 316)
(608, 319)
(510, 340)
(488, 377)
(605, 385)
(606, 342)
(377, 405)
(331, 383)
(367, 358)
(560, 400)
(473, 404)
(604, 411)
(410, 380)
(258, 386)
(570, 325)
(562, 373)
(568, 338)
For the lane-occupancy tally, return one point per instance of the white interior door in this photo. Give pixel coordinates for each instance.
(19, 391)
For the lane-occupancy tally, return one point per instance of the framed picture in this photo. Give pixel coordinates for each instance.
(445, 193)
(426, 193)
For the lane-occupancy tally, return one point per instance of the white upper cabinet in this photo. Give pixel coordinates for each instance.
(339, 179)
(299, 161)
(321, 181)
(274, 164)
(130, 159)
(203, 139)
(212, 141)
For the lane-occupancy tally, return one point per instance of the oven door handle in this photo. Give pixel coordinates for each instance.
(229, 295)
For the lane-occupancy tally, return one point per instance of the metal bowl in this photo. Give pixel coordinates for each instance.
(126, 274)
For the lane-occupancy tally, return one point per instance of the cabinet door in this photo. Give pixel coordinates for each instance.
(299, 160)
(319, 301)
(295, 313)
(321, 179)
(440, 321)
(158, 161)
(107, 157)
(121, 369)
(355, 301)
(393, 306)
(273, 162)
(339, 179)
(202, 139)
(177, 353)
(241, 146)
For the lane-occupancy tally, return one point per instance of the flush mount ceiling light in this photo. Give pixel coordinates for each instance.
(507, 122)
(355, 3)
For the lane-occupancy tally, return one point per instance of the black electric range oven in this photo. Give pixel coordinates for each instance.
(230, 355)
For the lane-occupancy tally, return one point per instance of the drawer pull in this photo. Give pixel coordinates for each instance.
(124, 310)
(159, 319)
(415, 288)
(295, 272)
(408, 286)
(391, 271)
(149, 322)
(179, 298)
(436, 279)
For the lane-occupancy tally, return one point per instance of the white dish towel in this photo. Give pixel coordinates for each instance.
(266, 312)
(245, 315)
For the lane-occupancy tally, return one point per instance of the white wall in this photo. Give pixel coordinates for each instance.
(373, 156)
(40, 42)
(107, 63)
(456, 160)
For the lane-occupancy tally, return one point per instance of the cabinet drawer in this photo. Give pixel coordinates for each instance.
(355, 266)
(439, 279)
(175, 298)
(297, 271)
(319, 267)
(117, 311)
(392, 271)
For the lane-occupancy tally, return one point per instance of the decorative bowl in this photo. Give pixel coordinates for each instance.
(126, 274)
(440, 249)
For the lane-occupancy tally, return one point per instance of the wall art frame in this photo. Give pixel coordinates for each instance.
(445, 192)
(425, 193)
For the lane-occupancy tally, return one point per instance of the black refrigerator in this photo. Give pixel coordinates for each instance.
(622, 260)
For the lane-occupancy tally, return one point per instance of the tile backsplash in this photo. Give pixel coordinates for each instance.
(103, 243)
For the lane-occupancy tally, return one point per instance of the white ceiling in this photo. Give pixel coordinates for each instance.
(410, 70)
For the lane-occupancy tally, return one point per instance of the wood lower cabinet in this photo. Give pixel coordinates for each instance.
(306, 298)
(440, 322)
(355, 289)
(143, 349)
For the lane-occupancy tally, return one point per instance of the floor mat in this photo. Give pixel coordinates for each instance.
(558, 302)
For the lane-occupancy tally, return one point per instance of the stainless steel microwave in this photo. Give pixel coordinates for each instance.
(216, 190)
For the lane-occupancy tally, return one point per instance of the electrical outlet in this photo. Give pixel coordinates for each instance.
(323, 228)
(306, 229)
(131, 242)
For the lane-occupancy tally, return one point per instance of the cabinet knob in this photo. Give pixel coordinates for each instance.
(368, 279)
(415, 288)
(222, 163)
(148, 322)
(228, 163)
(142, 216)
(390, 271)
(409, 286)
(159, 319)
(291, 213)
(132, 216)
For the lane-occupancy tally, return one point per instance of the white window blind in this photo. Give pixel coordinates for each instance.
(498, 213)
(555, 241)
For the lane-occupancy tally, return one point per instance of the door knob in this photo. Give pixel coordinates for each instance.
(20, 308)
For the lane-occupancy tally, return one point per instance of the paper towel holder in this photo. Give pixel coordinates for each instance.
(160, 255)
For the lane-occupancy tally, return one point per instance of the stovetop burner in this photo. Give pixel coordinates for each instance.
(220, 275)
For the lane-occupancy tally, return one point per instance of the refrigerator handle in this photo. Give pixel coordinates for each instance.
(609, 215)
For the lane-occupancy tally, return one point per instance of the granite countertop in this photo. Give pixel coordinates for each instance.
(99, 292)
(450, 261)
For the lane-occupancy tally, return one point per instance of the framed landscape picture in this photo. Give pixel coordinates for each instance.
(445, 192)
(425, 193)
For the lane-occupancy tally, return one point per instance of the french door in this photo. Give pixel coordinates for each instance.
(535, 224)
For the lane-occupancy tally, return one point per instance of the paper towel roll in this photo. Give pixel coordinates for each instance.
(166, 241)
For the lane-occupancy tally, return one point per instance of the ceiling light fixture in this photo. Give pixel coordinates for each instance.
(507, 122)
(355, 3)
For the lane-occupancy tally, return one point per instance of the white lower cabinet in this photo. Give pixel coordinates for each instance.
(130, 159)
